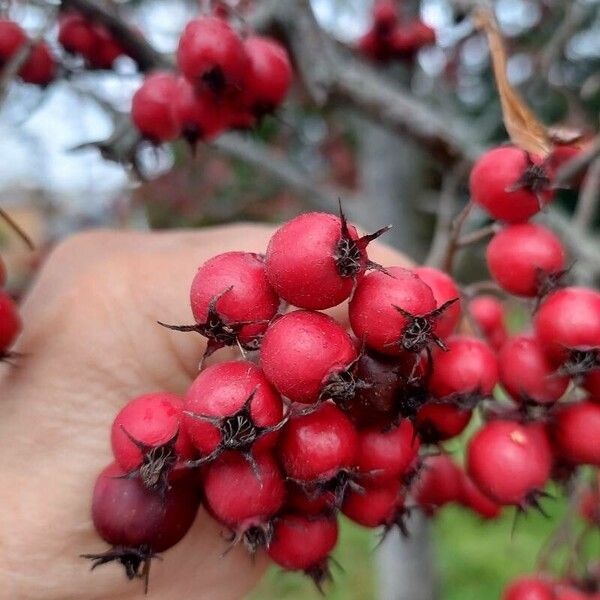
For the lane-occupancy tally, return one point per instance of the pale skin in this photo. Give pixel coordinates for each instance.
(90, 343)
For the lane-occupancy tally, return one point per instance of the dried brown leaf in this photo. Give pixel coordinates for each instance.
(522, 125)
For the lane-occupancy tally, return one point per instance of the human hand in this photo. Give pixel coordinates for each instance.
(90, 344)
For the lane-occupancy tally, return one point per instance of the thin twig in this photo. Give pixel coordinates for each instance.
(589, 196)
(17, 229)
(578, 163)
(478, 235)
(455, 232)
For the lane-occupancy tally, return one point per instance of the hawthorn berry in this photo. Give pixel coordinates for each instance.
(440, 421)
(211, 55)
(395, 312)
(244, 497)
(308, 356)
(467, 369)
(510, 184)
(531, 587)
(527, 374)
(576, 433)
(232, 406)
(591, 383)
(270, 74)
(474, 499)
(303, 543)
(10, 323)
(309, 501)
(439, 482)
(383, 456)
(488, 313)
(40, 66)
(12, 37)
(232, 301)
(138, 522)
(567, 325)
(148, 440)
(510, 463)
(526, 259)
(75, 34)
(385, 14)
(375, 506)
(106, 50)
(153, 108)
(315, 260)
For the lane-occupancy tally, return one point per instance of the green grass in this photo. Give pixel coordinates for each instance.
(474, 558)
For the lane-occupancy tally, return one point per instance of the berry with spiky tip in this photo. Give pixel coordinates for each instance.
(510, 463)
(244, 497)
(232, 301)
(440, 421)
(315, 260)
(376, 506)
(576, 431)
(309, 500)
(138, 522)
(438, 482)
(488, 313)
(309, 357)
(232, 406)
(303, 543)
(510, 184)
(148, 441)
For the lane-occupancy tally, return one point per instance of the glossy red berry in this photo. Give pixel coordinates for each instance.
(474, 499)
(510, 463)
(437, 422)
(444, 289)
(527, 374)
(153, 108)
(307, 355)
(576, 433)
(374, 506)
(232, 406)
(12, 37)
(386, 455)
(10, 322)
(302, 543)
(468, 367)
(314, 260)
(40, 67)
(569, 319)
(591, 383)
(317, 446)
(211, 55)
(509, 184)
(309, 501)
(76, 34)
(244, 496)
(138, 522)
(106, 50)
(148, 439)
(270, 74)
(391, 311)
(531, 587)
(439, 482)
(525, 259)
(488, 313)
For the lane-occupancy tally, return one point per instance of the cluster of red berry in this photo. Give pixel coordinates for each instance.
(226, 82)
(39, 66)
(391, 38)
(10, 320)
(92, 41)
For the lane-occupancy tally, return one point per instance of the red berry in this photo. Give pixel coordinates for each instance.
(524, 258)
(576, 433)
(312, 501)
(510, 463)
(306, 356)
(211, 55)
(317, 446)
(384, 456)
(563, 153)
(153, 108)
(10, 322)
(147, 439)
(303, 543)
(592, 384)
(76, 35)
(444, 288)
(314, 260)
(244, 496)
(437, 422)
(270, 74)
(234, 408)
(373, 46)
(106, 50)
(374, 506)
(472, 497)
(12, 37)
(569, 319)
(526, 374)
(468, 367)
(385, 14)
(509, 184)
(40, 67)
(138, 522)
(387, 309)
(488, 313)
(529, 588)
(565, 591)
(439, 483)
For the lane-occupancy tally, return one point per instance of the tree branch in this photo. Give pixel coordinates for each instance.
(144, 54)
(589, 196)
